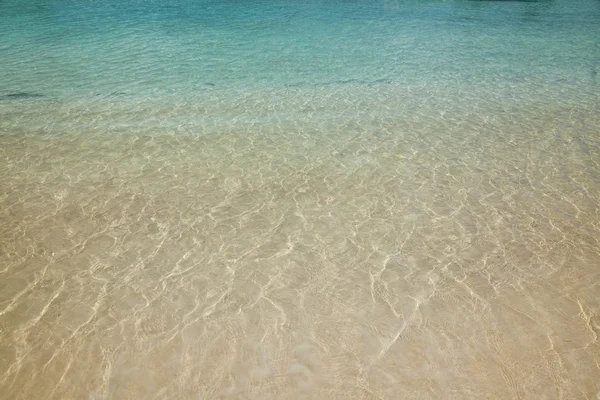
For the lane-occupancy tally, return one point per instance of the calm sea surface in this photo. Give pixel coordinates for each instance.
(321, 199)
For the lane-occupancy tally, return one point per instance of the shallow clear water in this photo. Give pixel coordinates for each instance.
(273, 200)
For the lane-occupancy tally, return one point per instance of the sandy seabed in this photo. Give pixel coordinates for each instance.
(299, 245)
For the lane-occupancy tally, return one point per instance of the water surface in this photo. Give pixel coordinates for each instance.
(273, 200)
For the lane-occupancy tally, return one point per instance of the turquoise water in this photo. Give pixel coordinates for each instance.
(299, 200)
(62, 49)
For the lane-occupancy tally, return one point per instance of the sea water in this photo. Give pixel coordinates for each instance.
(322, 199)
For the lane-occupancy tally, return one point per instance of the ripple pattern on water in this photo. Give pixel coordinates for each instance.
(328, 200)
(152, 250)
